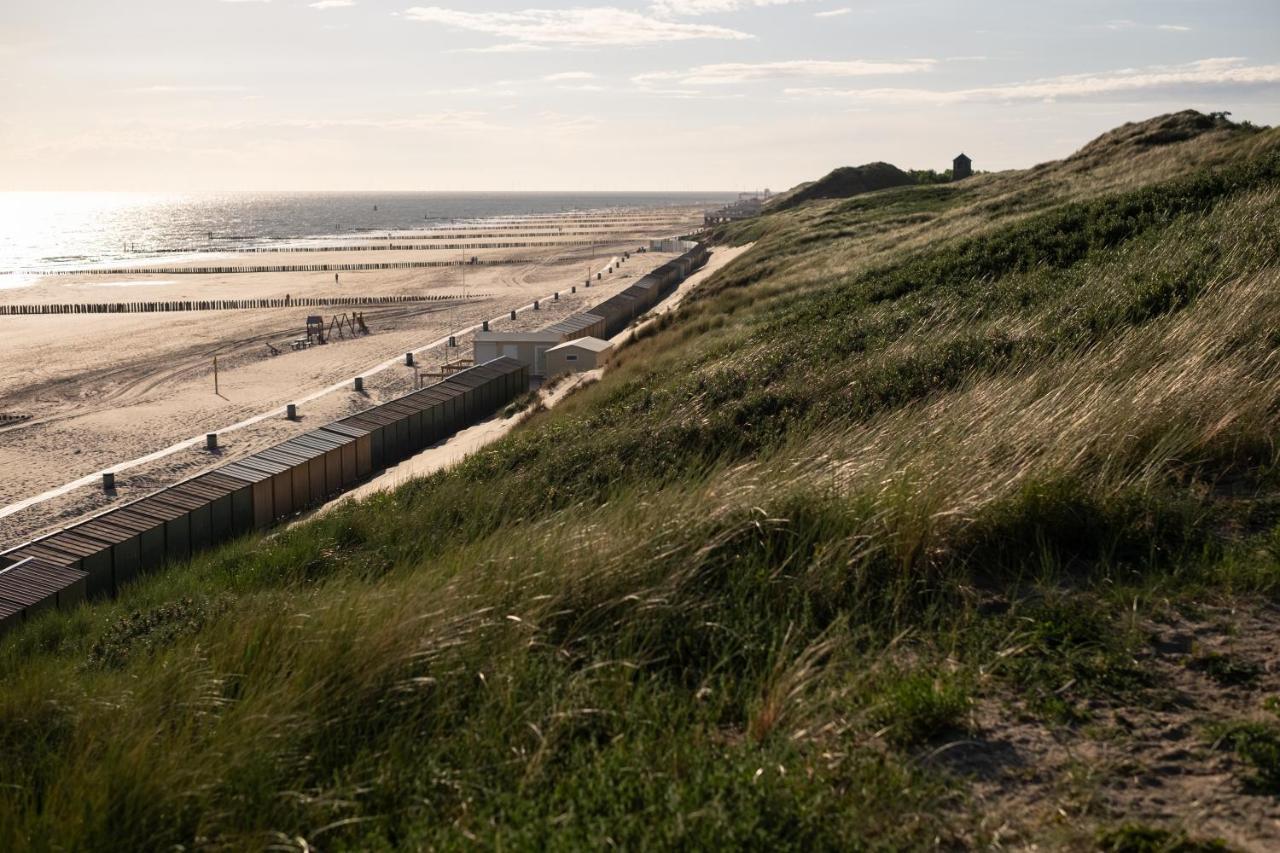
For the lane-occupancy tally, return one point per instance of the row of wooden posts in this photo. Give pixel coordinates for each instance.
(224, 304)
(392, 246)
(390, 265)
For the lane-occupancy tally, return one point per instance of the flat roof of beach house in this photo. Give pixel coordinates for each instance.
(595, 345)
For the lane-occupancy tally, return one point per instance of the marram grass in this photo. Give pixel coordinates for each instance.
(738, 593)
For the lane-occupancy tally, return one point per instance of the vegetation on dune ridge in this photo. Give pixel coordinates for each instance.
(867, 497)
(848, 181)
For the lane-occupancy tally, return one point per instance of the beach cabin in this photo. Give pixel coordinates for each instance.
(528, 348)
(577, 356)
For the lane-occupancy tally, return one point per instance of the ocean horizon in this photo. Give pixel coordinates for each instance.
(45, 231)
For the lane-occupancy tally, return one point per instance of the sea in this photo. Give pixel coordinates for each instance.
(46, 231)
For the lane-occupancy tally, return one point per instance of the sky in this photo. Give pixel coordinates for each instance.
(519, 95)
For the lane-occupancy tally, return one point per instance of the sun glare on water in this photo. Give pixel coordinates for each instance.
(41, 228)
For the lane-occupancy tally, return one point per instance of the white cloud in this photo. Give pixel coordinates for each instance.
(707, 7)
(164, 89)
(1126, 24)
(332, 4)
(832, 13)
(497, 90)
(1229, 71)
(740, 72)
(584, 27)
(460, 120)
(569, 75)
(515, 47)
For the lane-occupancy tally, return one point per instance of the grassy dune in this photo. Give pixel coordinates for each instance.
(926, 476)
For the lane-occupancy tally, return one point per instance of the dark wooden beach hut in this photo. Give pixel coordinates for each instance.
(281, 482)
(175, 516)
(585, 325)
(259, 481)
(31, 585)
(298, 466)
(331, 443)
(11, 614)
(136, 540)
(375, 425)
(358, 460)
(436, 415)
(78, 549)
(464, 397)
(230, 503)
(315, 454)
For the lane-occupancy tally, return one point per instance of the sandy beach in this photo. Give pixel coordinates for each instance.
(104, 389)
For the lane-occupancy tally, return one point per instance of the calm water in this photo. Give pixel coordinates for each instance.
(40, 231)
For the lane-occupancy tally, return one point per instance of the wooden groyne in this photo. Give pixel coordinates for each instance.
(224, 304)
(391, 265)
(392, 246)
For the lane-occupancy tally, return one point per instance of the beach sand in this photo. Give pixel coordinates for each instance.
(104, 389)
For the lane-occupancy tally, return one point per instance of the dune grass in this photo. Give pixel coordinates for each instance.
(736, 593)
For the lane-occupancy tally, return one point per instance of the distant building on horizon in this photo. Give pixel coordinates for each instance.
(961, 168)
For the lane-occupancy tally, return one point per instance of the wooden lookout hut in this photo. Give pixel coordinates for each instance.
(961, 168)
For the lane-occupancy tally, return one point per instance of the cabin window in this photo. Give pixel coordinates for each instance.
(570, 358)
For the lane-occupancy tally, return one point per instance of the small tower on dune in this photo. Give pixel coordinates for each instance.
(961, 168)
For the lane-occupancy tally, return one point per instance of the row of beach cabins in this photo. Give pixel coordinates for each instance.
(95, 558)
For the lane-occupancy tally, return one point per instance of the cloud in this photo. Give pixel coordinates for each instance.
(515, 47)
(497, 90)
(332, 4)
(674, 8)
(583, 27)
(1228, 71)
(185, 90)
(832, 13)
(569, 75)
(458, 120)
(1126, 24)
(740, 72)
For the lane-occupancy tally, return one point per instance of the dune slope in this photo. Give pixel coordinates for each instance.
(943, 516)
